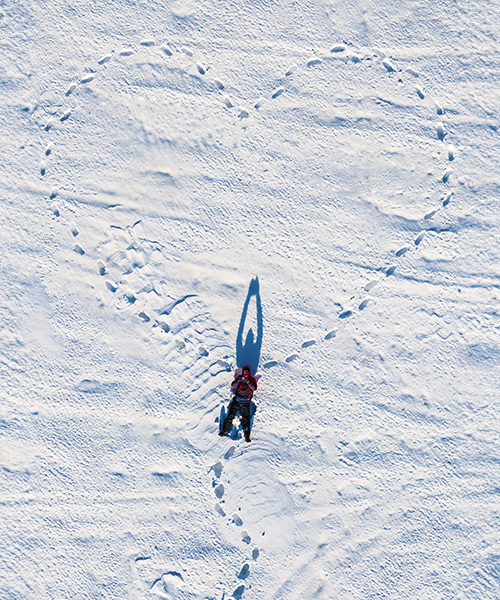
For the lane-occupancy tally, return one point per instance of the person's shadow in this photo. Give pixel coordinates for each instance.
(248, 352)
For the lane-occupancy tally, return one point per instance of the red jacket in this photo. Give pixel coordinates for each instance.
(245, 387)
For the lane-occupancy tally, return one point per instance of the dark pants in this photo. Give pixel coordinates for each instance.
(234, 407)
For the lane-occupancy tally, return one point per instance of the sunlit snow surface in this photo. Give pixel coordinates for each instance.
(310, 187)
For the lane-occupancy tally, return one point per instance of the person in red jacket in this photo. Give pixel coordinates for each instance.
(244, 386)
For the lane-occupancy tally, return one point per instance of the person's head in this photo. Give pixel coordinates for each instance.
(245, 371)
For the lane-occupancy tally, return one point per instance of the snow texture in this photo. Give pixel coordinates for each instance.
(310, 188)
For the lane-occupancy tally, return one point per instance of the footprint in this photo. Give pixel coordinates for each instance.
(371, 284)
(43, 167)
(430, 214)
(65, 116)
(270, 364)
(447, 199)
(355, 58)
(146, 318)
(451, 152)
(217, 469)
(420, 92)
(130, 296)
(245, 537)
(291, 358)
(364, 304)
(201, 69)
(277, 92)
(54, 192)
(440, 131)
(102, 267)
(126, 52)
(290, 71)
(245, 570)
(148, 43)
(388, 66)
(219, 510)
(313, 62)
(308, 343)
(181, 344)
(87, 79)
(112, 287)
(224, 364)
(402, 251)
(439, 108)
(447, 175)
(230, 452)
(78, 249)
(104, 59)
(218, 84)
(203, 351)
(49, 148)
(55, 210)
(243, 113)
(237, 520)
(337, 48)
(390, 270)
(167, 50)
(255, 553)
(163, 326)
(89, 386)
(71, 89)
(331, 334)
(412, 72)
(345, 313)
(238, 592)
(227, 102)
(74, 230)
(419, 238)
(219, 491)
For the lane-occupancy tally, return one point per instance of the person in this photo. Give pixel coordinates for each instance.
(244, 386)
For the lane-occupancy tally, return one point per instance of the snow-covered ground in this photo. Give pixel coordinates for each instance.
(312, 188)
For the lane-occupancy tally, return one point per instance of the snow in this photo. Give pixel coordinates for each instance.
(310, 188)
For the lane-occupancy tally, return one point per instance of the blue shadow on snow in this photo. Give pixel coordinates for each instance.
(248, 353)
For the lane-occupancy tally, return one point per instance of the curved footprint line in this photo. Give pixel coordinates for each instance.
(129, 296)
(200, 381)
(339, 49)
(441, 133)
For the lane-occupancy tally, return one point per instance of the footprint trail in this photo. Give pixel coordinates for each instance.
(127, 265)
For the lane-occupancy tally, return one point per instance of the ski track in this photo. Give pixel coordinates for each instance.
(186, 330)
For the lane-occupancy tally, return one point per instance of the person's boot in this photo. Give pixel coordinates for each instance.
(247, 436)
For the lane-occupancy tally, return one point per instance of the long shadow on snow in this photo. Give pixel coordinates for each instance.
(248, 353)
